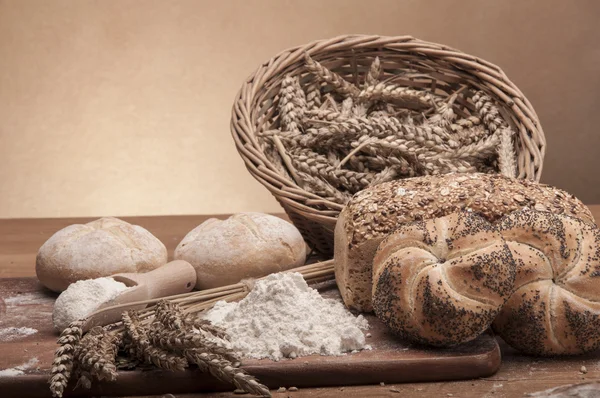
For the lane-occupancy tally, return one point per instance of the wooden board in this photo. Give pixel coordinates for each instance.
(26, 304)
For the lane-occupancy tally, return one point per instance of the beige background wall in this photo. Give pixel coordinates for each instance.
(122, 107)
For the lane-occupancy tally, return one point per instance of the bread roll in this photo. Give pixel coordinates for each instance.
(441, 282)
(556, 305)
(246, 245)
(374, 213)
(99, 248)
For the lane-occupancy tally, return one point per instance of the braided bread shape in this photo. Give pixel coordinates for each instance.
(442, 282)
(556, 305)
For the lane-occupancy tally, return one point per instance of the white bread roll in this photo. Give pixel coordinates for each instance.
(99, 248)
(375, 212)
(441, 282)
(246, 245)
(556, 305)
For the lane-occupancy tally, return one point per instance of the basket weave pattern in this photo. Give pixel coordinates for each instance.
(435, 68)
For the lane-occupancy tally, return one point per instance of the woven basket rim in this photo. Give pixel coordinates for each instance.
(485, 75)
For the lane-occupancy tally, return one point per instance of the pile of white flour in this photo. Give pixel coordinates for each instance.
(82, 298)
(283, 317)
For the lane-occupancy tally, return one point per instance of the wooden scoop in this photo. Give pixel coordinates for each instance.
(171, 279)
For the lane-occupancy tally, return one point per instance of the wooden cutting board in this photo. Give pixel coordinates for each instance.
(26, 357)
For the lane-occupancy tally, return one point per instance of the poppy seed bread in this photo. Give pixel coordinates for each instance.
(375, 212)
(441, 282)
(555, 309)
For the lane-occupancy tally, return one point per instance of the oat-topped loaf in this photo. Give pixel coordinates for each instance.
(375, 212)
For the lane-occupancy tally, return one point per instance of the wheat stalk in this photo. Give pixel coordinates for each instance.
(339, 133)
(95, 355)
(292, 104)
(384, 131)
(224, 370)
(399, 95)
(445, 114)
(325, 75)
(143, 335)
(506, 155)
(372, 77)
(63, 358)
(488, 112)
(318, 165)
(313, 94)
(144, 350)
(177, 340)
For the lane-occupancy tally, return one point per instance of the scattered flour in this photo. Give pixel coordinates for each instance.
(283, 317)
(14, 333)
(19, 370)
(82, 298)
(27, 299)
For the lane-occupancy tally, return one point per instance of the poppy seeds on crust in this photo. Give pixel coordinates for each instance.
(479, 268)
(557, 312)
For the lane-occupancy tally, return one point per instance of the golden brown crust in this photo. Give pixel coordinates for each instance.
(374, 213)
(442, 282)
(379, 210)
(555, 309)
(99, 248)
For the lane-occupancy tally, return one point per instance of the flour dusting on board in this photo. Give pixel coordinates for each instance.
(283, 317)
(14, 333)
(28, 299)
(19, 370)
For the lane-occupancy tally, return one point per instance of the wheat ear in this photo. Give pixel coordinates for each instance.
(398, 94)
(339, 84)
(176, 340)
(63, 358)
(506, 154)
(144, 350)
(319, 166)
(313, 95)
(372, 77)
(488, 112)
(97, 352)
(292, 104)
(224, 370)
(172, 317)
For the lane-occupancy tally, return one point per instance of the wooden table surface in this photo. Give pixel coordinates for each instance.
(20, 240)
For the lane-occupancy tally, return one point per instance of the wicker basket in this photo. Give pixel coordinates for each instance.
(440, 69)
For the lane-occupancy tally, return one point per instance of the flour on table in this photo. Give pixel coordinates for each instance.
(83, 298)
(19, 370)
(14, 333)
(27, 299)
(283, 317)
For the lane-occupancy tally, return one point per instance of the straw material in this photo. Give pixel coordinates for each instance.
(477, 98)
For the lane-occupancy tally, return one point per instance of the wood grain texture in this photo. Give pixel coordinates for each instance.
(27, 305)
(21, 238)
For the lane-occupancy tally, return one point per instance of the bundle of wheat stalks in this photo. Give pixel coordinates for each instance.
(168, 334)
(336, 138)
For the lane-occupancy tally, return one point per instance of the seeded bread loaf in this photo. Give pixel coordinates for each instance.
(555, 308)
(374, 213)
(442, 282)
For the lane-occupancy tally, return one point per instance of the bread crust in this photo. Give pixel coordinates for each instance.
(441, 282)
(246, 245)
(555, 309)
(374, 213)
(103, 247)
